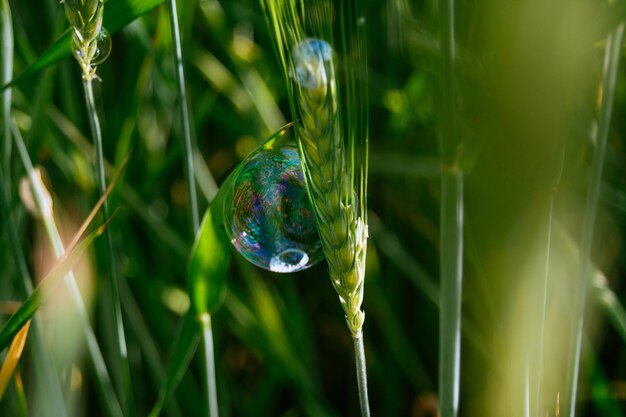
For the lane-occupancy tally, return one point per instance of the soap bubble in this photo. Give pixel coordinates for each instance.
(311, 61)
(269, 217)
(103, 47)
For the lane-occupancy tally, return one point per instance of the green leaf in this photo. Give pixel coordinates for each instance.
(208, 268)
(41, 293)
(117, 14)
(185, 345)
(210, 254)
(209, 261)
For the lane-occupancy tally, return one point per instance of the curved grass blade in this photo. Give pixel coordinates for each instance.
(13, 357)
(209, 261)
(210, 254)
(38, 297)
(208, 266)
(185, 345)
(117, 14)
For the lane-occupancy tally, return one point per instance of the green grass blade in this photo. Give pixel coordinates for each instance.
(185, 118)
(117, 14)
(612, 56)
(40, 294)
(208, 264)
(185, 345)
(138, 325)
(208, 268)
(211, 251)
(6, 72)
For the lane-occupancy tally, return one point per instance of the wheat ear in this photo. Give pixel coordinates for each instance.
(85, 17)
(330, 178)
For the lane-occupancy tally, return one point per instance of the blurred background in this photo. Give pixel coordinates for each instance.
(529, 88)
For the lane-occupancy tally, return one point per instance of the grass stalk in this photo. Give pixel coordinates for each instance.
(207, 340)
(105, 388)
(6, 57)
(361, 373)
(611, 64)
(451, 228)
(91, 46)
(118, 323)
(185, 117)
(207, 332)
(451, 265)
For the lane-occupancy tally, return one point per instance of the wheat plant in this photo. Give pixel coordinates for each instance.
(91, 45)
(332, 137)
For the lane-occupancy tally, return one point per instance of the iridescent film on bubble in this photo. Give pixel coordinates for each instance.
(271, 221)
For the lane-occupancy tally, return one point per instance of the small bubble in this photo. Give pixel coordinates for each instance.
(269, 218)
(311, 61)
(103, 47)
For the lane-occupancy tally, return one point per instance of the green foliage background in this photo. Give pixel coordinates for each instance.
(528, 85)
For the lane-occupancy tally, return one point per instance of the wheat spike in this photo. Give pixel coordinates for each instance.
(330, 177)
(85, 17)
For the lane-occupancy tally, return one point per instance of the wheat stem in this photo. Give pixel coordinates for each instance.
(451, 257)
(118, 323)
(90, 47)
(361, 373)
(611, 64)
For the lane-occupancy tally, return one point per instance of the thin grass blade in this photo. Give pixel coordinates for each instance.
(6, 72)
(43, 290)
(185, 345)
(13, 357)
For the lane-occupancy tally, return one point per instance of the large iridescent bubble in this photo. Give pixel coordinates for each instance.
(269, 218)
